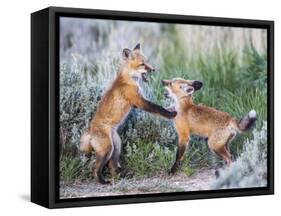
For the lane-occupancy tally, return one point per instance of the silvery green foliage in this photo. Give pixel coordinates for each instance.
(250, 168)
(143, 126)
(78, 99)
(97, 40)
(90, 55)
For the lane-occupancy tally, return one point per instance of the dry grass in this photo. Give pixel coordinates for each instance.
(230, 61)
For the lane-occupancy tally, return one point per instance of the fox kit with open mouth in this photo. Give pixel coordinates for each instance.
(219, 127)
(118, 100)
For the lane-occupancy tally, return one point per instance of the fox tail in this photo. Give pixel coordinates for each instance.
(85, 145)
(248, 121)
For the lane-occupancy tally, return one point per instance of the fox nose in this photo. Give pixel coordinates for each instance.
(150, 69)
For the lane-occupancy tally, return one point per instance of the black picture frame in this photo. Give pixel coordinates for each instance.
(45, 109)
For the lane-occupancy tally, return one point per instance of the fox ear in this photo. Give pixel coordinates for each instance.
(189, 89)
(137, 47)
(197, 85)
(126, 53)
(166, 82)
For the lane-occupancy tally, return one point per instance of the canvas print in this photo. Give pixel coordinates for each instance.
(150, 108)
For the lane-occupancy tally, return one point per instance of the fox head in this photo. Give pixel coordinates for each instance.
(136, 63)
(178, 88)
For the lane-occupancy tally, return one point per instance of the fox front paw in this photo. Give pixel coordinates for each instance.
(172, 114)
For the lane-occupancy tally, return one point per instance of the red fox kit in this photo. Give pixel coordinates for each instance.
(125, 93)
(219, 127)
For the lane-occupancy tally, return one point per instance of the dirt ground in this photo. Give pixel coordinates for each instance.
(179, 182)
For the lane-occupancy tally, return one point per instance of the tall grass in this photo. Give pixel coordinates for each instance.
(231, 62)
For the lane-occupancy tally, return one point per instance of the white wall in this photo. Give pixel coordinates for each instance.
(15, 106)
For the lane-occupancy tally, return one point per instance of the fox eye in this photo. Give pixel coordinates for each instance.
(142, 64)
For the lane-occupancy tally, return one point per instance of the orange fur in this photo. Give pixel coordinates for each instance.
(125, 93)
(219, 127)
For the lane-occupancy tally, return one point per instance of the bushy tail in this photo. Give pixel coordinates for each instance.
(248, 121)
(85, 145)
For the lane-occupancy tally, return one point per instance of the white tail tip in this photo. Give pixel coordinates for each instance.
(252, 114)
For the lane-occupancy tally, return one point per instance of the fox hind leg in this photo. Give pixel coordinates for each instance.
(219, 143)
(183, 142)
(226, 150)
(103, 147)
(224, 153)
(114, 160)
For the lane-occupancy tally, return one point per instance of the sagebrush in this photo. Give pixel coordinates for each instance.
(232, 65)
(250, 168)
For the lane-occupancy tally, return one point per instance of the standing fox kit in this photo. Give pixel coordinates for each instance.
(219, 127)
(125, 93)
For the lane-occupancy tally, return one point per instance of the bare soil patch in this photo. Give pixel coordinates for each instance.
(201, 180)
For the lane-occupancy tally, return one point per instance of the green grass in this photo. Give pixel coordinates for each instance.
(230, 84)
(75, 168)
(146, 159)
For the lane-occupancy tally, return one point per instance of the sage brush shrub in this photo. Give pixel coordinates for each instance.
(78, 99)
(144, 159)
(90, 55)
(250, 168)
